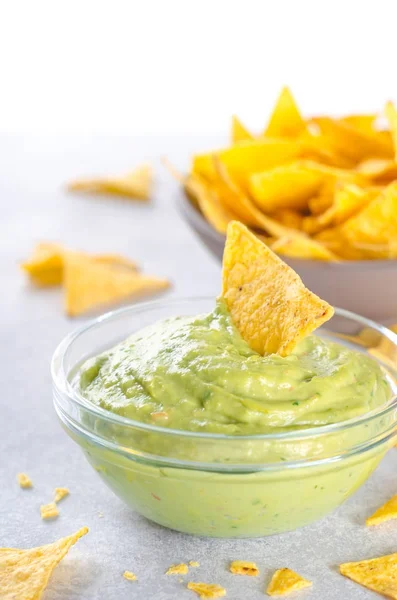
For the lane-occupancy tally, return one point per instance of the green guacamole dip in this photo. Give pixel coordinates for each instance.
(198, 374)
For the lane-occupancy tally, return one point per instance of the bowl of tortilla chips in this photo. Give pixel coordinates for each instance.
(320, 191)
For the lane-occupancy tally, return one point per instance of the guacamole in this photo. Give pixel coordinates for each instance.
(198, 374)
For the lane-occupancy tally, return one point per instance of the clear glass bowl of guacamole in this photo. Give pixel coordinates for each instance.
(198, 433)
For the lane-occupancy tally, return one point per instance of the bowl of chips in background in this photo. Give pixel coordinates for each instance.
(320, 191)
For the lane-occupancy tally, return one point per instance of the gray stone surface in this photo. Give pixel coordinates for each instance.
(34, 206)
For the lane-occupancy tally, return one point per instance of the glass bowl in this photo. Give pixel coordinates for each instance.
(220, 485)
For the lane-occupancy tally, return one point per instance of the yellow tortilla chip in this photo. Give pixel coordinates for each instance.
(349, 141)
(244, 567)
(49, 511)
(207, 590)
(136, 184)
(286, 119)
(285, 581)
(61, 493)
(319, 204)
(378, 170)
(289, 218)
(364, 123)
(239, 132)
(377, 222)
(377, 574)
(24, 481)
(180, 569)
(238, 203)
(267, 300)
(245, 158)
(129, 575)
(209, 201)
(391, 116)
(45, 268)
(301, 246)
(384, 513)
(194, 563)
(24, 574)
(90, 285)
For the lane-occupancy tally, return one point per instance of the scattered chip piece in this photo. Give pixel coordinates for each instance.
(377, 574)
(135, 184)
(49, 511)
(60, 493)
(180, 569)
(129, 575)
(90, 285)
(285, 581)
(24, 480)
(207, 590)
(384, 513)
(243, 567)
(194, 563)
(267, 300)
(24, 574)
(45, 267)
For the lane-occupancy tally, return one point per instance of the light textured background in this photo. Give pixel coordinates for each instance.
(34, 206)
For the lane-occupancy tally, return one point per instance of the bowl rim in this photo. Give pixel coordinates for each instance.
(192, 213)
(63, 385)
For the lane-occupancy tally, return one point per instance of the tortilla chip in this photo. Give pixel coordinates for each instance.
(301, 246)
(180, 569)
(60, 493)
(24, 481)
(243, 567)
(364, 123)
(289, 218)
(129, 575)
(286, 119)
(377, 574)
(378, 170)
(391, 116)
(285, 581)
(319, 204)
(245, 158)
(207, 590)
(24, 574)
(237, 202)
(267, 300)
(349, 141)
(116, 260)
(49, 511)
(239, 132)
(136, 184)
(45, 268)
(210, 203)
(385, 513)
(90, 285)
(194, 563)
(377, 222)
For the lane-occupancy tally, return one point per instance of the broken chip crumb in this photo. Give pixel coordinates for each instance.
(377, 574)
(24, 481)
(207, 590)
(194, 563)
(129, 575)
(100, 515)
(386, 512)
(25, 573)
(60, 493)
(243, 567)
(285, 581)
(180, 569)
(49, 511)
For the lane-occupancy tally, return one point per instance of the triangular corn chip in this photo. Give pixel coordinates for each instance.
(239, 132)
(319, 204)
(24, 574)
(301, 246)
(244, 567)
(377, 574)
(378, 170)
(286, 119)
(207, 590)
(391, 116)
(135, 184)
(289, 217)
(90, 285)
(285, 581)
(364, 123)
(384, 513)
(245, 158)
(209, 202)
(267, 300)
(45, 267)
(240, 204)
